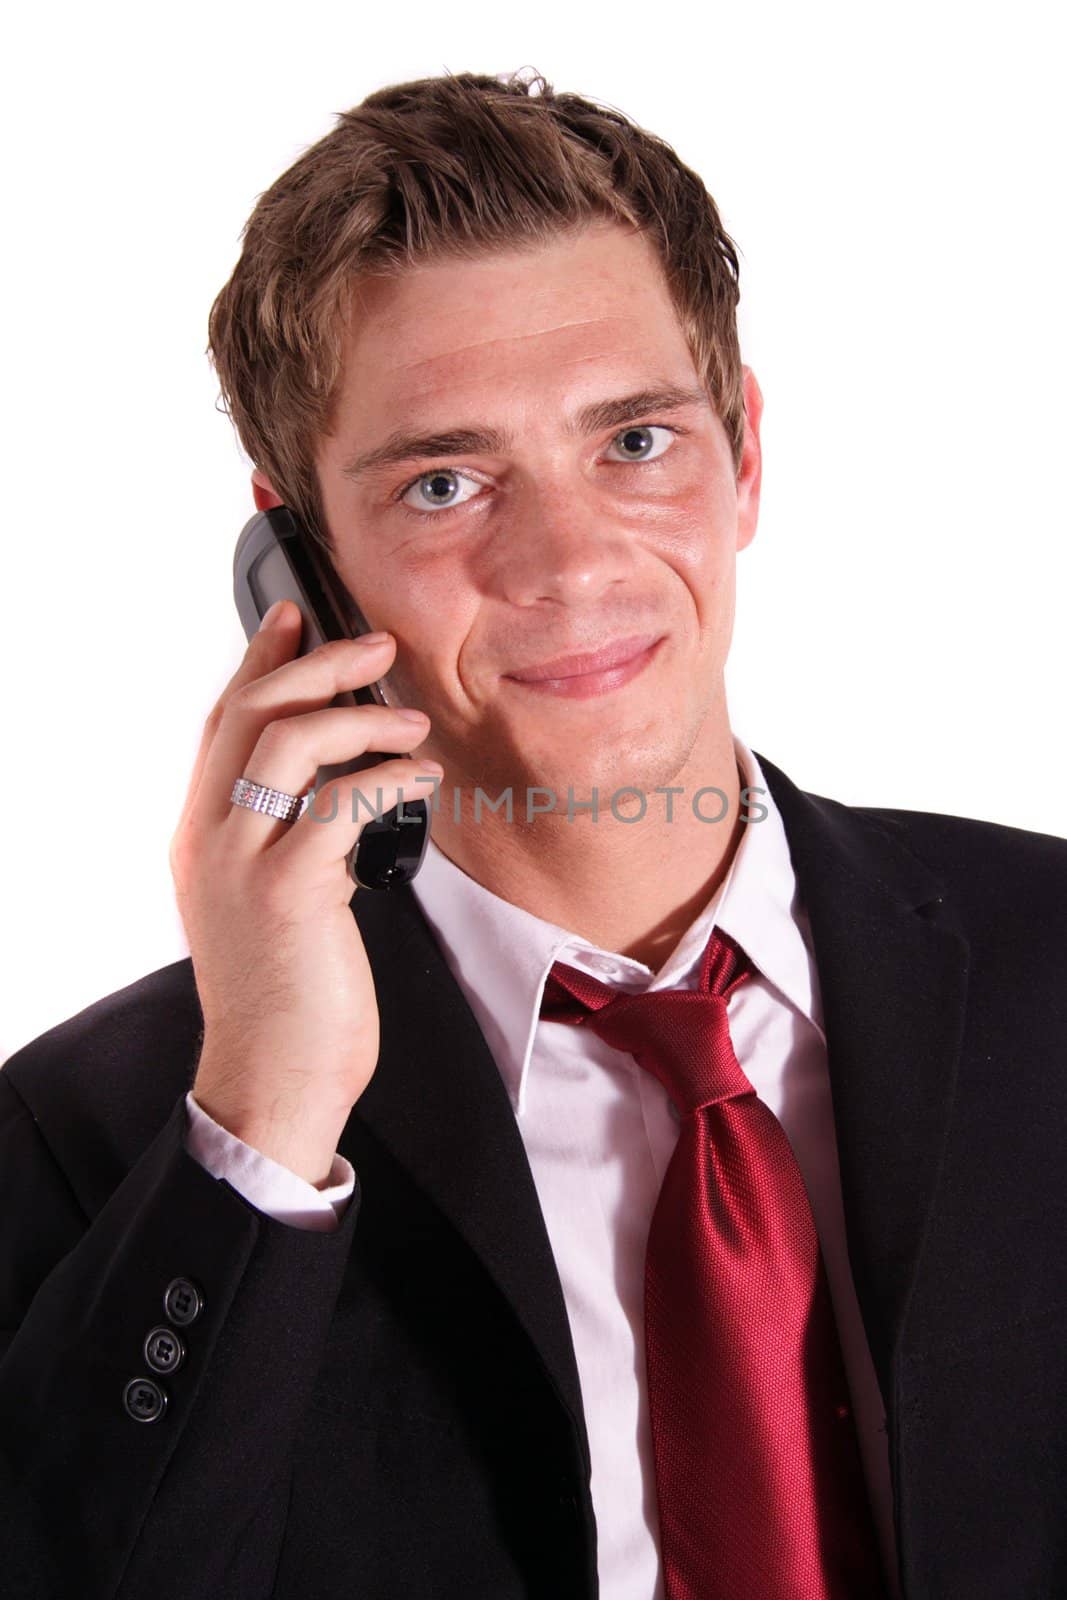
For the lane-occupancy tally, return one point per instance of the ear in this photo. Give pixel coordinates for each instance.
(750, 472)
(263, 492)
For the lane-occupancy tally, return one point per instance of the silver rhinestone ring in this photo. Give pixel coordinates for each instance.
(271, 802)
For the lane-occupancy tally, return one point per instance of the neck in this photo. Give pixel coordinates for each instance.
(632, 887)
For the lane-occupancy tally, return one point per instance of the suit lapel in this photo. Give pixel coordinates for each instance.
(892, 967)
(437, 1102)
(892, 971)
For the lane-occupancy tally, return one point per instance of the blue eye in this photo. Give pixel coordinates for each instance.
(435, 491)
(644, 442)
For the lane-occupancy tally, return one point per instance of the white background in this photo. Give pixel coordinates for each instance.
(893, 178)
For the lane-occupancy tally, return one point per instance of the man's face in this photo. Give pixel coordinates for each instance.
(488, 557)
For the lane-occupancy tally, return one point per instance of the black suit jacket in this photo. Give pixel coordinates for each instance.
(393, 1410)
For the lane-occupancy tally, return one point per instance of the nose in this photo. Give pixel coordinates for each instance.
(557, 544)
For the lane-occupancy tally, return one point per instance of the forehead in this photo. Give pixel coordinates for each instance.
(594, 295)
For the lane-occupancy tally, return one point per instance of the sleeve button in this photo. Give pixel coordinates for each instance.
(144, 1400)
(163, 1350)
(182, 1302)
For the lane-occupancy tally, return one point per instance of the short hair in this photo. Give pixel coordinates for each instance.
(451, 166)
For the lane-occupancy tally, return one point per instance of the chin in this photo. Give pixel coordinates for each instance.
(610, 768)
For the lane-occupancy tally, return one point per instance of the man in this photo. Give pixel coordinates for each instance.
(659, 1197)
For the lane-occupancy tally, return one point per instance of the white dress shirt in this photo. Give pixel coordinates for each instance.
(599, 1131)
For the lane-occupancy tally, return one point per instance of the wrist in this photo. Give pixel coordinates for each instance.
(303, 1140)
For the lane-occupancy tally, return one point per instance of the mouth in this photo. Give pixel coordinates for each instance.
(598, 672)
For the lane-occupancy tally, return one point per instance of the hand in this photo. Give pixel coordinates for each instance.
(291, 1030)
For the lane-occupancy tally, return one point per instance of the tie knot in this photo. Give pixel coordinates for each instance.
(680, 1035)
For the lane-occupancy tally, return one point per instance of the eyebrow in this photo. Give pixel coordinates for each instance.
(481, 439)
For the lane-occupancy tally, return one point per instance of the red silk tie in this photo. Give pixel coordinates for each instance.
(761, 1489)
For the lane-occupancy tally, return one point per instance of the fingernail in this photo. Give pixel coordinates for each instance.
(372, 638)
(272, 613)
(410, 715)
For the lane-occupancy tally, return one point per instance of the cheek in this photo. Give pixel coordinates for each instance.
(694, 495)
(694, 529)
(430, 640)
(695, 535)
(430, 608)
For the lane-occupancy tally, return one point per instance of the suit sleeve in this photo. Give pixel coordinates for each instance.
(156, 1360)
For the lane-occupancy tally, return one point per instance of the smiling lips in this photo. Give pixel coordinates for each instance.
(580, 676)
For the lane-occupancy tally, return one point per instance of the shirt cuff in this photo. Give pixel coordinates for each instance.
(265, 1183)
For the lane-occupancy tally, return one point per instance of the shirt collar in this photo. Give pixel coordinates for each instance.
(501, 954)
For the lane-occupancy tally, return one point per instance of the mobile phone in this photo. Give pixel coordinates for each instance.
(277, 559)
